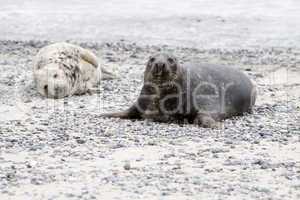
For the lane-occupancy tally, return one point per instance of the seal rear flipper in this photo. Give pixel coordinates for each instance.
(89, 57)
(122, 115)
(131, 113)
(206, 121)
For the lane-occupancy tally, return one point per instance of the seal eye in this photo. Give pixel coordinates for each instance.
(171, 60)
(152, 59)
(55, 76)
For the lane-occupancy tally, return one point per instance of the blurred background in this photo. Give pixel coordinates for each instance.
(192, 23)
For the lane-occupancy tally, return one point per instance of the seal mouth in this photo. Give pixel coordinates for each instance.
(165, 80)
(165, 76)
(159, 69)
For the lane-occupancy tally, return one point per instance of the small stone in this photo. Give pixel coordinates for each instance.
(10, 176)
(151, 142)
(256, 142)
(133, 56)
(80, 141)
(215, 156)
(28, 165)
(36, 181)
(164, 194)
(27, 101)
(127, 165)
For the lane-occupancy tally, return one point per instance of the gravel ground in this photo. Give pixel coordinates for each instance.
(61, 149)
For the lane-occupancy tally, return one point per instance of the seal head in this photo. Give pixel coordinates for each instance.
(52, 82)
(161, 68)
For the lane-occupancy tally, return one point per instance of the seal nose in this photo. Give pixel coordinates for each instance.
(159, 68)
(58, 91)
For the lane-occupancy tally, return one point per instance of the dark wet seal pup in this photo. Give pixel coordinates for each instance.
(64, 69)
(191, 92)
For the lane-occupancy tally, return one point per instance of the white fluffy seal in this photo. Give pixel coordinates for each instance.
(63, 69)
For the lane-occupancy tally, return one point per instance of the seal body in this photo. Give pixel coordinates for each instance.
(191, 92)
(63, 69)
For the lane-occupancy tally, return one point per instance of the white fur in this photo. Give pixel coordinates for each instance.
(54, 69)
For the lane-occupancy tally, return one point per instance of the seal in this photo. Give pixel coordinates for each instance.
(203, 94)
(64, 69)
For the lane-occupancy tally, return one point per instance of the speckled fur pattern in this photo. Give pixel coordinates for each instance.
(77, 66)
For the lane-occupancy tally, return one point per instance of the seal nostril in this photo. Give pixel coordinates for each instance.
(56, 93)
(155, 68)
(159, 68)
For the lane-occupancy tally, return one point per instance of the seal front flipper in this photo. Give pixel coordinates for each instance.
(131, 113)
(206, 121)
(122, 115)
